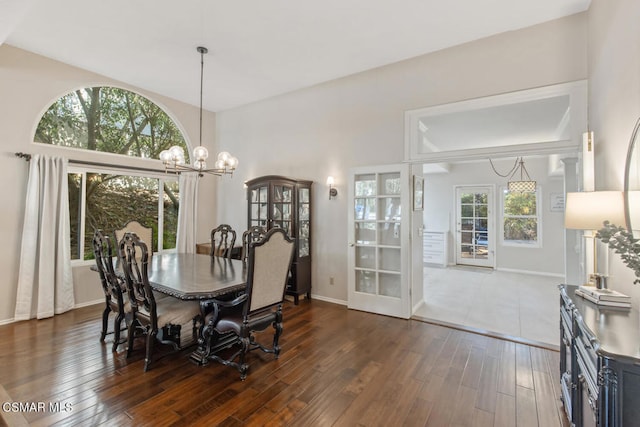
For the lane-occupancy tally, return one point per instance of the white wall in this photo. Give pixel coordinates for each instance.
(614, 101)
(439, 213)
(358, 120)
(28, 85)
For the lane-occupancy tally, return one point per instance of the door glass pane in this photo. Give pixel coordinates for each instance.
(390, 209)
(365, 185)
(390, 285)
(365, 208)
(365, 233)
(365, 257)
(389, 259)
(389, 233)
(366, 281)
(263, 195)
(389, 183)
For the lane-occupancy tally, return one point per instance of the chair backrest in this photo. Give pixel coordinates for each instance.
(134, 258)
(144, 233)
(223, 238)
(268, 270)
(253, 234)
(103, 252)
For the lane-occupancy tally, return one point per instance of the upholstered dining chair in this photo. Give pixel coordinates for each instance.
(253, 234)
(260, 306)
(144, 233)
(223, 239)
(157, 319)
(113, 287)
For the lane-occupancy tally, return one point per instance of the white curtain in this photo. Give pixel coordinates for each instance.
(186, 238)
(45, 280)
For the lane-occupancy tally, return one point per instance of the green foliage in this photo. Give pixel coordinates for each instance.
(623, 243)
(520, 216)
(118, 121)
(111, 120)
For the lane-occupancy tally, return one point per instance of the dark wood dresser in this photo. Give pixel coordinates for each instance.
(599, 362)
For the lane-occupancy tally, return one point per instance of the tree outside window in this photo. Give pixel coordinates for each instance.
(117, 121)
(520, 217)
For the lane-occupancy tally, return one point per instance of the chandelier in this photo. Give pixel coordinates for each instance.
(523, 185)
(174, 159)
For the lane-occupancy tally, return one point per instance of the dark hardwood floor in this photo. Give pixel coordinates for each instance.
(338, 367)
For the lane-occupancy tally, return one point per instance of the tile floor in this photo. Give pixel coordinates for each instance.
(520, 306)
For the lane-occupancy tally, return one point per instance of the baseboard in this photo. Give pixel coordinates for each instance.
(327, 299)
(534, 273)
(84, 304)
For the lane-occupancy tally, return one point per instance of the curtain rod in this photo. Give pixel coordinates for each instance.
(27, 157)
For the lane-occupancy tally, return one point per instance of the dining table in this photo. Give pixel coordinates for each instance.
(199, 277)
(196, 276)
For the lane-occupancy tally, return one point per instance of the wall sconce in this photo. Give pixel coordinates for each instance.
(333, 191)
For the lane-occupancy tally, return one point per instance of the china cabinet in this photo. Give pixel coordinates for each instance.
(278, 201)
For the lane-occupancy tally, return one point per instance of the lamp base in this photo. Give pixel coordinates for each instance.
(598, 280)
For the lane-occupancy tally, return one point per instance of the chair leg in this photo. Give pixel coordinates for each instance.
(242, 366)
(105, 321)
(117, 325)
(151, 338)
(131, 328)
(277, 325)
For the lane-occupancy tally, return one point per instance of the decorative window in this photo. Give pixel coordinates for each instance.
(111, 120)
(521, 218)
(117, 121)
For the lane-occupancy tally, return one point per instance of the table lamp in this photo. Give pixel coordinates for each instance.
(589, 209)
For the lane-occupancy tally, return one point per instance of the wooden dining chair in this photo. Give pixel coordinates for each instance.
(112, 286)
(157, 319)
(267, 271)
(253, 234)
(223, 239)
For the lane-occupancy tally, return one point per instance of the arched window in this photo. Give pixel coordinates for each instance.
(117, 121)
(111, 120)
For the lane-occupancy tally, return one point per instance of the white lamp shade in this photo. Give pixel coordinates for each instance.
(589, 209)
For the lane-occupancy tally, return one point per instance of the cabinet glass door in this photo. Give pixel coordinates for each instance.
(282, 207)
(303, 222)
(258, 206)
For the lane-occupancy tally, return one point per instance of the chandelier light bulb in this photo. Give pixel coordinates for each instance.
(200, 153)
(224, 156)
(165, 156)
(233, 163)
(176, 152)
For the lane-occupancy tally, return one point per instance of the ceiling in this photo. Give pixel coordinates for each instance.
(257, 49)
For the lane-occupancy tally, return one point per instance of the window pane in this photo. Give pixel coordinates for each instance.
(521, 229)
(75, 204)
(171, 204)
(112, 201)
(516, 203)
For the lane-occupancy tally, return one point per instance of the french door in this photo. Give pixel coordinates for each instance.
(474, 226)
(379, 226)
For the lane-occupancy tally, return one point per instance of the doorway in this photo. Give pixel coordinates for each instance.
(474, 226)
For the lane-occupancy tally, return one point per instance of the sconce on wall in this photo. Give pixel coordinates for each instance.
(333, 191)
